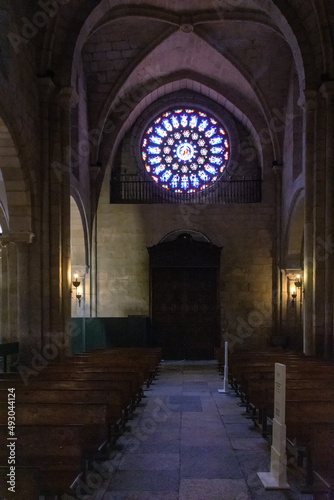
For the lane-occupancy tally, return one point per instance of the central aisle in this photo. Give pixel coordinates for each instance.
(187, 441)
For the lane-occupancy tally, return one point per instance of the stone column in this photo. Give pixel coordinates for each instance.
(66, 98)
(5, 310)
(12, 324)
(277, 297)
(47, 90)
(94, 172)
(16, 292)
(309, 129)
(26, 337)
(327, 90)
(4, 292)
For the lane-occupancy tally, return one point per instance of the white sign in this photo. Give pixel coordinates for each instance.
(276, 478)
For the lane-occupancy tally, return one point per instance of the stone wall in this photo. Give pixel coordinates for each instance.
(246, 233)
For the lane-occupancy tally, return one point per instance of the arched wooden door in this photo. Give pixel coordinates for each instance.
(184, 297)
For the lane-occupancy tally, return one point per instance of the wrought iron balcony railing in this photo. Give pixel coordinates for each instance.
(131, 189)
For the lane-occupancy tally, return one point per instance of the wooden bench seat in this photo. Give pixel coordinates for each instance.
(309, 403)
(121, 387)
(55, 435)
(115, 379)
(48, 412)
(27, 480)
(66, 410)
(321, 455)
(48, 481)
(124, 371)
(294, 372)
(146, 364)
(95, 396)
(137, 356)
(145, 369)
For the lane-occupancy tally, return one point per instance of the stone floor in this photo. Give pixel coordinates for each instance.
(187, 441)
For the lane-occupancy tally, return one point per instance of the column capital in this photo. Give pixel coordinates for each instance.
(46, 86)
(94, 171)
(80, 270)
(294, 274)
(308, 100)
(20, 237)
(327, 91)
(68, 98)
(277, 167)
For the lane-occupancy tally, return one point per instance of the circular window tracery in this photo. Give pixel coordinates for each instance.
(185, 150)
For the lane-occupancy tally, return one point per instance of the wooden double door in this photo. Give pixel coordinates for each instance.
(185, 311)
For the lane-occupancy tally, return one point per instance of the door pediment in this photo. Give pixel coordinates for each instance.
(184, 251)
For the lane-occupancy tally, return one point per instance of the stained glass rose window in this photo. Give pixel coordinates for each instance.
(185, 150)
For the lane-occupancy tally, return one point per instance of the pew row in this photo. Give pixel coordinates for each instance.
(59, 400)
(309, 403)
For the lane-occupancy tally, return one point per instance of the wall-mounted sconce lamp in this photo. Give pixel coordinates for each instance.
(293, 295)
(76, 284)
(299, 282)
(299, 285)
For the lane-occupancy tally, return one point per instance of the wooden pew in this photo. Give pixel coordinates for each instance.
(149, 358)
(27, 483)
(57, 395)
(121, 387)
(309, 402)
(96, 371)
(145, 364)
(8, 349)
(321, 455)
(128, 380)
(54, 438)
(41, 412)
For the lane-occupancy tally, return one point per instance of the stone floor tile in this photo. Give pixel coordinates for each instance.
(151, 462)
(167, 391)
(188, 442)
(184, 403)
(159, 447)
(209, 462)
(235, 418)
(245, 429)
(204, 436)
(144, 481)
(142, 495)
(213, 489)
(197, 387)
(253, 443)
(201, 419)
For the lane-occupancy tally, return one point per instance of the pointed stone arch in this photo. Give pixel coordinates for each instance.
(294, 240)
(18, 201)
(16, 222)
(79, 256)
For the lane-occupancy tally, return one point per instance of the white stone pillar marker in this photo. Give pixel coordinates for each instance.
(276, 478)
(225, 389)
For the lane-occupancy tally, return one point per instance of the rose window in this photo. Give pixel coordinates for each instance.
(185, 150)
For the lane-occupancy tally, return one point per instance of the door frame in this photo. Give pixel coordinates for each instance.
(186, 251)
